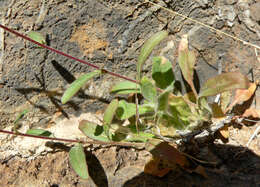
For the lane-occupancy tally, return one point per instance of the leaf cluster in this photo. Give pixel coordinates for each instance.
(162, 112)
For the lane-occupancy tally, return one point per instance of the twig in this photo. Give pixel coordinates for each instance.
(66, 55)
(198, 160)
(124, 144)
(205, 25)
(253, 136)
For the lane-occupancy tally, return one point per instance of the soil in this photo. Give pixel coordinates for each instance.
(109, 34)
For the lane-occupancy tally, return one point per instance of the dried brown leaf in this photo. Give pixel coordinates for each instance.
(224, 82)
(201, 171)
(243, 95)
(187, 61)
(224, 132)
(225, 99)
(157, 167)
(251, 112)
(169, 153)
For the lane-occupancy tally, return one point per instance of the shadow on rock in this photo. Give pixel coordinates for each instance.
(236, 166)
(96, 171)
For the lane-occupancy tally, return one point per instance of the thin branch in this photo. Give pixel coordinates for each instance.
(66, 55)
(124, 144)
(205, 25)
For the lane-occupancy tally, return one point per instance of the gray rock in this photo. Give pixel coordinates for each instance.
(227, 13)
(254, 9)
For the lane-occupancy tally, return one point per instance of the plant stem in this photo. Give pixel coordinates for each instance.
(124, 144)
(66, 55)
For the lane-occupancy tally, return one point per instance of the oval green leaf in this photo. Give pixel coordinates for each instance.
(39, 132)
(224, 82)
(163, 101)
(77, 84)
(93, 131)
(162, 72)
(20, 116)
(110, 112)
(78, 161)
(147, 49)
(126, 110)
(125, 87)
(36, 36)
(148, 90)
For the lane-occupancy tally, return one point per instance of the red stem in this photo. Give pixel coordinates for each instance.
(126, 144)
(81, 61)
(41, 137)
(66, 55)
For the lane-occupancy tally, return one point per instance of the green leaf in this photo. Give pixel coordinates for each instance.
(169, 123)
(118, 132)
(204, 105)
(106, 129)
(38, 37)
(162, 72)
(225, 100)
(224, 82)
(187, 62)
(147, 49)
(148, 90)
(110, 111)
(125, 87)
(163, 101)
(20, 116)
(126, 110)
(139, 137)
(39, 132)
(180, 111)
(93, 131)
(78, 161)
(77, 84)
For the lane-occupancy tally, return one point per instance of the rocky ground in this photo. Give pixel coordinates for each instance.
(109, 34)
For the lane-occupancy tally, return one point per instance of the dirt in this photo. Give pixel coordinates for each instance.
(110, 34)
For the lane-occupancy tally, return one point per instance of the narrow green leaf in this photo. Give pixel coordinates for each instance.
(147, 49)
(224, 82)
(78, 161)
(39, 132)
(93, 131)
(20, 116)
(77, 84)
(110, 112)
(126, 110)
(162, 72)
(148, 90)
(187, 62)
(125, 87)
(38, 37)
(106, 128)
(204, 104)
